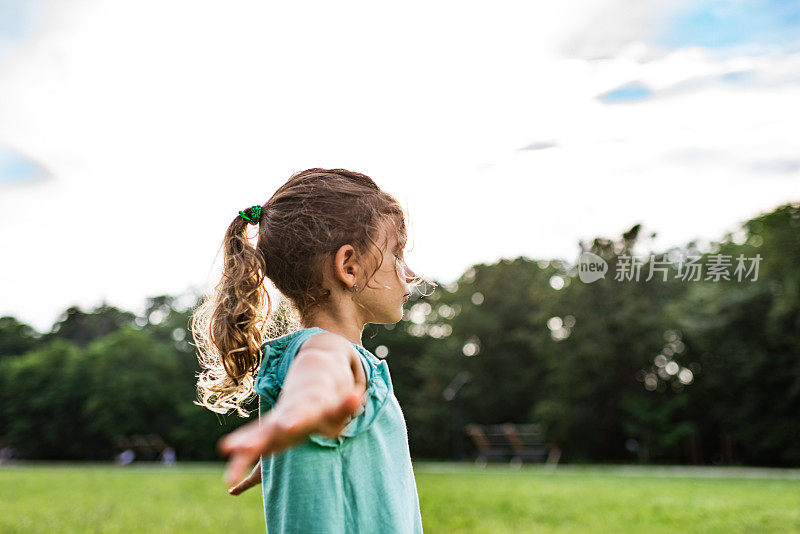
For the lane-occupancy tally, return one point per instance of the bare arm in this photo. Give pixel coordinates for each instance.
(324, 386)
(252, 479)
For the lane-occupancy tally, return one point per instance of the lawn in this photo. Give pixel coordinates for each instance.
(191, 497)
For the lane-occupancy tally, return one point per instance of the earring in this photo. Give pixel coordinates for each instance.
(354, 288)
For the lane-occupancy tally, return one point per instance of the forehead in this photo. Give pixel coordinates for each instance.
(389, 234)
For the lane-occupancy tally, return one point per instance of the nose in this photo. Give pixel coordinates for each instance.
(408, 273)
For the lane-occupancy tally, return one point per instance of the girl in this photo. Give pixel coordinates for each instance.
(331, 440)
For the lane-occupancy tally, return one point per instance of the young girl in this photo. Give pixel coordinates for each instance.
(331, 439)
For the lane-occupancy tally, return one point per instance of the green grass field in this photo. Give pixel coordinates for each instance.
(454, 498)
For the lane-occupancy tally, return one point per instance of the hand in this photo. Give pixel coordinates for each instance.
(252, 479)
(281, 429)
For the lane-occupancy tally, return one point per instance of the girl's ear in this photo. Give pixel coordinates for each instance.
(346, 268)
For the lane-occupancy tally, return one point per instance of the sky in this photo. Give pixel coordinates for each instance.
(132, 133)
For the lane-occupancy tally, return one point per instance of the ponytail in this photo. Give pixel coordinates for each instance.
(229, 325)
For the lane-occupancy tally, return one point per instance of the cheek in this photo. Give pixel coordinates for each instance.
(390, 273)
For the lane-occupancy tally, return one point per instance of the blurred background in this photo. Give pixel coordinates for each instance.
(518, 135)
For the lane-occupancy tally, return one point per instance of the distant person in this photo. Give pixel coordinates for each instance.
(6, 453)
(168, 456)
(332, 242)
(125, 457)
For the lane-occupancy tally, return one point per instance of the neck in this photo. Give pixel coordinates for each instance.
(350, 329)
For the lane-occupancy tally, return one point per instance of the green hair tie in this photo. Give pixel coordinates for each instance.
(255, 215)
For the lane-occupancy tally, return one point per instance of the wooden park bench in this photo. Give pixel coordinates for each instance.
(512, 442)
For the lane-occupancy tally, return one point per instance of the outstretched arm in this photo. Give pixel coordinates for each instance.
(323, 388)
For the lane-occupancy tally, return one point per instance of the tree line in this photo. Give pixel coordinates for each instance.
(701, 368)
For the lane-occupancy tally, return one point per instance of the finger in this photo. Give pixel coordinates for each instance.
(229, 442)
(239, 438)
(245, 484)
(272, 435)
(238, 466)
(237, 489)
(279, 432)
(225, 445)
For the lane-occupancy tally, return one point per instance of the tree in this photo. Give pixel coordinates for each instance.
(16, 338)
(82, 328)
(41, 402)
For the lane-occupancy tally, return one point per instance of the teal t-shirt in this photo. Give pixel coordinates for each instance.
(361, 481)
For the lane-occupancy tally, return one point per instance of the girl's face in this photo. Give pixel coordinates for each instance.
(389, 288)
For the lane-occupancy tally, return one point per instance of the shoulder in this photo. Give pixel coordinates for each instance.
(307, 340)
(329, 345)
(328, 342)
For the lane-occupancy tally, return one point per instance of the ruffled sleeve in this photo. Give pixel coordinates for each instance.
(278, 355)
